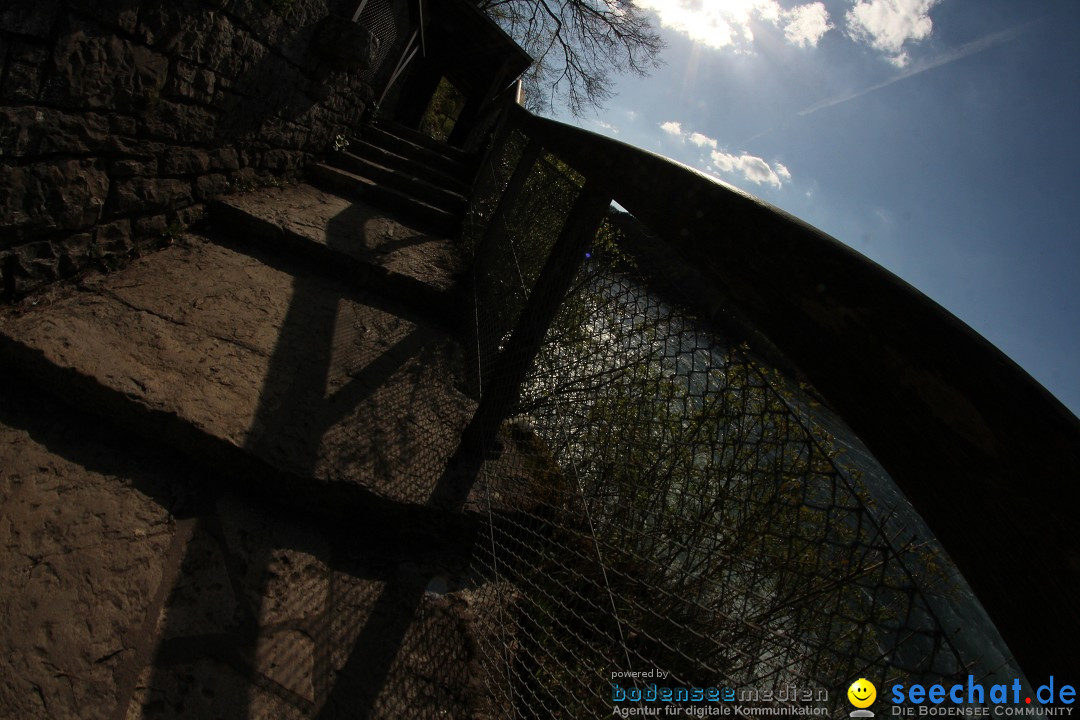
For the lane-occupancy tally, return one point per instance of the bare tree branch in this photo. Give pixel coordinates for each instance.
(578, 46)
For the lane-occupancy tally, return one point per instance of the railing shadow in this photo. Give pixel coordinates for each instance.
(355, 392)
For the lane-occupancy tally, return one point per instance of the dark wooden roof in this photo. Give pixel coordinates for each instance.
(471, 47)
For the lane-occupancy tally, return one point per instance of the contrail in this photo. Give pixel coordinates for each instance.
(965, 50)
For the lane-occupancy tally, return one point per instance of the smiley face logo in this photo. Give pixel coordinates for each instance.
(862, 693)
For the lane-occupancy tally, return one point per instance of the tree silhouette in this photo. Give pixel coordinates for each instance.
(577, 45)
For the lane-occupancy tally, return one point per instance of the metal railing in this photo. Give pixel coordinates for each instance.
(673, 403)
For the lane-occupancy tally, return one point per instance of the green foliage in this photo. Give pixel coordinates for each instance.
(702, 521)
(443, 111)
(173, 232)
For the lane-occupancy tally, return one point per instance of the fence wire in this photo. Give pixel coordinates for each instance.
(386, 20)
(660, 498)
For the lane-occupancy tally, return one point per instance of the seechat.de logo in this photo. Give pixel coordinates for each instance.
(862, 694)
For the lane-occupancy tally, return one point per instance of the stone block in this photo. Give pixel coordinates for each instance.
(52, 195)
(123, 125)
(290, 136)
(206, 39)
(224, 159)
(29, 131)
(73, 253)
(248, 56)
(29, 17)
(245, 176)
(159, 19)
(208, 186)
(130, 167)
(114, 238)
(266, 26)
(25, 68)
(250, 157)
(30, 266)
(34, 251)
(189, 215)
(95, 69)
(282, 161)
(149, 195)
(185, 161)
(153, 226)
(177, 122)
(192, 83)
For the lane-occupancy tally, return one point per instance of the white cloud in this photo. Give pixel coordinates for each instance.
(672, 128)
(887, 25)
(702, 140)
(606, 126)
(727, 24)
(751, 168)
(806, 24)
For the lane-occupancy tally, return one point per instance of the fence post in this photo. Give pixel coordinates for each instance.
(547, 295)
(495, 232)
(487, 344)
(512, 365)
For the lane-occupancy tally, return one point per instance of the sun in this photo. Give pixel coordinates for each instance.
(716, 24)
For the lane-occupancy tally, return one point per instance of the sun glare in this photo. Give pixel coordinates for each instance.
(718, 24)
(728, 23)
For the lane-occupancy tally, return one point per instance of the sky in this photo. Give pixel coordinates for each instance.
(936, 137)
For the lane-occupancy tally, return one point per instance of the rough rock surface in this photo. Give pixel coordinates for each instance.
(225, 478)
(302, 371)
(352, 229)
(138, 587)
(83, 543)
(118, 120)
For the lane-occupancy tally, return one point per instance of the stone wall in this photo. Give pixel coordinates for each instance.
(120, 118)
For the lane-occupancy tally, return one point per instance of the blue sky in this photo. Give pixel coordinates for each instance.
(937, 137)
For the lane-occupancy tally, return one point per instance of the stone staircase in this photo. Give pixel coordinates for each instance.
(274, 400)
(404, 170)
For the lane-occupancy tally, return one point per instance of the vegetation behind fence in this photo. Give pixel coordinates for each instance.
(666, 491)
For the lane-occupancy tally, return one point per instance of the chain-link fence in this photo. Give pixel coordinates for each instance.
(663, 500)
(386, 20)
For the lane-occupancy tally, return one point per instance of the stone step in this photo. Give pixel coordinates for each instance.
(400, 178)
(381, 156)
(440, 161)
(353, 241)
(425, 141)
(357, 187)
(252, 363)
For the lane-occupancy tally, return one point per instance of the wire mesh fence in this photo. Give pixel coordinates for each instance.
(387, 20)
(664, 507)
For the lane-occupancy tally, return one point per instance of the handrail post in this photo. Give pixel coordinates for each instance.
(546, 297)
(512, 365)
(495, 233)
